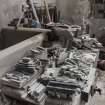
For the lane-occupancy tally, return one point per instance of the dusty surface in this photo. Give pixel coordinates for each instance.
(99, 99)
(96, 100)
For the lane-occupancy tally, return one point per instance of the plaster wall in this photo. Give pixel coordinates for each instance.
(72, 11)
(8, 10)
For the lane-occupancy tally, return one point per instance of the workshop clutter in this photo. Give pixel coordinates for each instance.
(36, 15)
(72, 76)
(54, 72)
(21, 81)
(64, 72)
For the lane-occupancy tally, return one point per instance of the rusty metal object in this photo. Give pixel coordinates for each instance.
(101, 64)
(75, 71)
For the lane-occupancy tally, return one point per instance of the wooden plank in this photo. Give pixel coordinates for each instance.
(36, 30)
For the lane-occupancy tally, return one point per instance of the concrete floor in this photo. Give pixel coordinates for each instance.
(99, 99)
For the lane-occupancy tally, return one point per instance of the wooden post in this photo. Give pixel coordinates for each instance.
(47, 11)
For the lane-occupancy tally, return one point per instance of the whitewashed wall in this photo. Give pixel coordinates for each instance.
(73, 10)
(8, 10)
